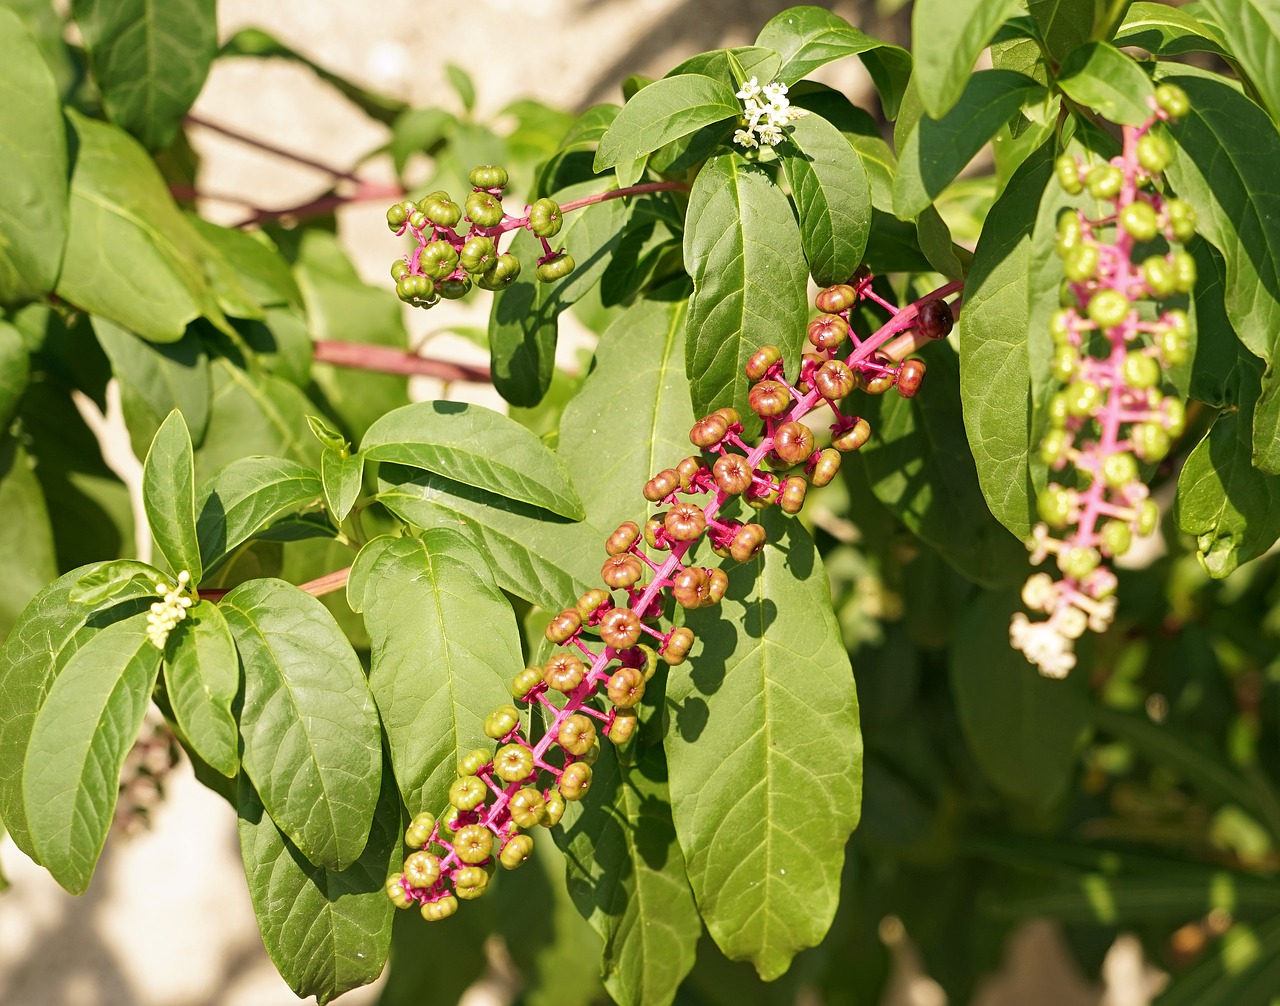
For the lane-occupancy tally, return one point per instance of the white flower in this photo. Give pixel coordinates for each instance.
(167, 613)
(1043, 644)
(764, 121)
(745, 138)
(750, 89)
(774, 92)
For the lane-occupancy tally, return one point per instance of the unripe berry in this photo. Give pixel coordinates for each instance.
(1082, 398)
(623, 726)
(690, 587)
(1158, 274)
(1053, 448)
(575, 781)
(1060, 326)
(1067, 172)
(1081, 263)
(620, 628)
(826, 467)
(1140, 371)
(1154, 153)
(555, 809)
(470, 882)
(1056, 506)
(652, 527)
(421, 869)
(748, 542)
(663, 484)
(513, 762)
(910, 375)
(627, 534)
(563, 672)
(1108, 308)
(472, 762)
(1119, 469)
(827, 331)
(761, 360)
(454, 289)
(397, 215)
(556, 268)
(836, 298)
(419, 830)
(622, 571)
(1148, 517)
(438, 259)
(791, 499)
(442, 211)
(1172, 100)
(501, 722)
(834, 380)
(396, 892)
(1078, 562)
(487, 176)
(1104, 181)
(1070, 232)
(1139, 219)
(417, 220)
(515, 851)
(473, 844)
(769, 398)
(761, 495)
(527, 808)
(468, 793)
(1173, 346)
(1184, 272)
(399, 269)
(504, 271)
(732, 473)
(792, 442)
(1116, 537)
(440, 909)
(525, 682)
(685, 522)
(708, 431)
(1182, 219)
(676, 648)
(729, 415)
(484, 209)
(545, 218)
(564, 625)
(852, 438)
(717, 584)
(478, 254)
(1064, 363)
(1175, 416)
(576, 734)
(590, 602)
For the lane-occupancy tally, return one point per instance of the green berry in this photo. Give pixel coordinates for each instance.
(501, 722)
(1060, 325)
(1157, 273)
(515, 851)
(454, 289)
(545, 218)
(487, 176)
(562, 628)
(624, 726)
(826, 467)
(417, 220)
(470, 882)
(502, 273)
(555, 809)
(1081, 263)
(1108, 308)
(1182, 219)
(484, 209)
(1059, 410)
(556, 268)
(1104, 181)
(1065, 362)
(1078, 562)
(1154, 153)
(419, 830)
(1055, 506)
(527, 808)
(440, 909)
(438, 259)
(1150, 441)
(1068, 173)
(421, 869)
(1070, 231)
(564, 671)
(1053, 448)
(1184, 272)
(1140, 371)
(1173, 346)
(576, 734)
(473, 844)
(1139, 219)
(399, 269)
(1083, 397)
(396, 892)
(468, 793)
(1175, 416)
(626, 687)
(478, 254)
(441, 210)
(1172, 100)
(525, 682)
(513, 763)
(397, 215)
(1148, 517)
(470, 764)
(575, 781)
(1116, 537)
(1119, 469)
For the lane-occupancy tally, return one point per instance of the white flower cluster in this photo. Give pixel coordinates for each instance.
(765, 110)
(1050, 644)
(167, 613)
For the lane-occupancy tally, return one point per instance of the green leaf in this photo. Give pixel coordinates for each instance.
(201, 678)
(809, 37)
(833, 195)
(248, 271)
(626, 875)
(253, 414)
(46, 636)
(169, 496)
(138, 261)
(1064, 24)
(919, 466)
(642, 350)
(460, 81)
(523, 325)
(665, 110)
(33, 163)
(1024, 729)
(765, 756)
(1165, 31)
(326, 931)
(938, 149)
(445, 644)
(1231, 507)
(155, 379)
(26, 537)
(477, 446)
(15, 371)
(308, 724)
(995, 371)
(742, 247)
(1100, 77)
(149, 60)
(545, 560)
(751, 60)
(245, 496)
(85, 726)
(342, 479)
(1242, 969)
(416, 130)
(949, 35)
(1224, 156)
(1252, 30)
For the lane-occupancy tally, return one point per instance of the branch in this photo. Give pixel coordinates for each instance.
(330, 583)
(385, 360)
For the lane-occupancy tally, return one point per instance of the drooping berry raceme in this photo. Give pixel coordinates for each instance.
(610, 641)
(1112, 413)
(448, 260)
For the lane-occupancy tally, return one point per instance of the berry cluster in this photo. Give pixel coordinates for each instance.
(611, 640)
(1111, 414)
(446, 261)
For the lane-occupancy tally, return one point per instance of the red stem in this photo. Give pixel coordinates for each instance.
(386, 360)
(270, 148)
(330, 583)
(630, 190)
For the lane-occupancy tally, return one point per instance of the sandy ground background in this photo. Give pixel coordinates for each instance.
(167, 919)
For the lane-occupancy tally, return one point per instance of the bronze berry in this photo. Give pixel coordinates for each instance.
(935, 319)
(827, 331)
(792, 442)
(840, 297)
(769, 398)
(620, 628)
(733, 474)
(761, 360)
(910, 374)
(685, 522)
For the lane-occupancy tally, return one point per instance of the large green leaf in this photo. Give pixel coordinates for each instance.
(85, 726)
(626, 875)
(642, 351)
(665, 110)
(547, 561)
(1101, 78)
(477, 446)
(15, 371)
(1252, 30)
(253, 413)
(246, 266)
(155, 379)
(765, 756)
(33, 163)
(308, 724)
(743, 249)
(201, 678)
(1024, 729)
(326, 931)
(809, 37)
(1166, 31)
(938, 149)
(445, 644)
(245, 496)
(26, 537)
(995, 373)
(1231, 507)
(1223, 165)
(45, 637)
(919, 466)
(1064, 24)
(948, 37)
(833, 195)
(169, 496)
(148, 59)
